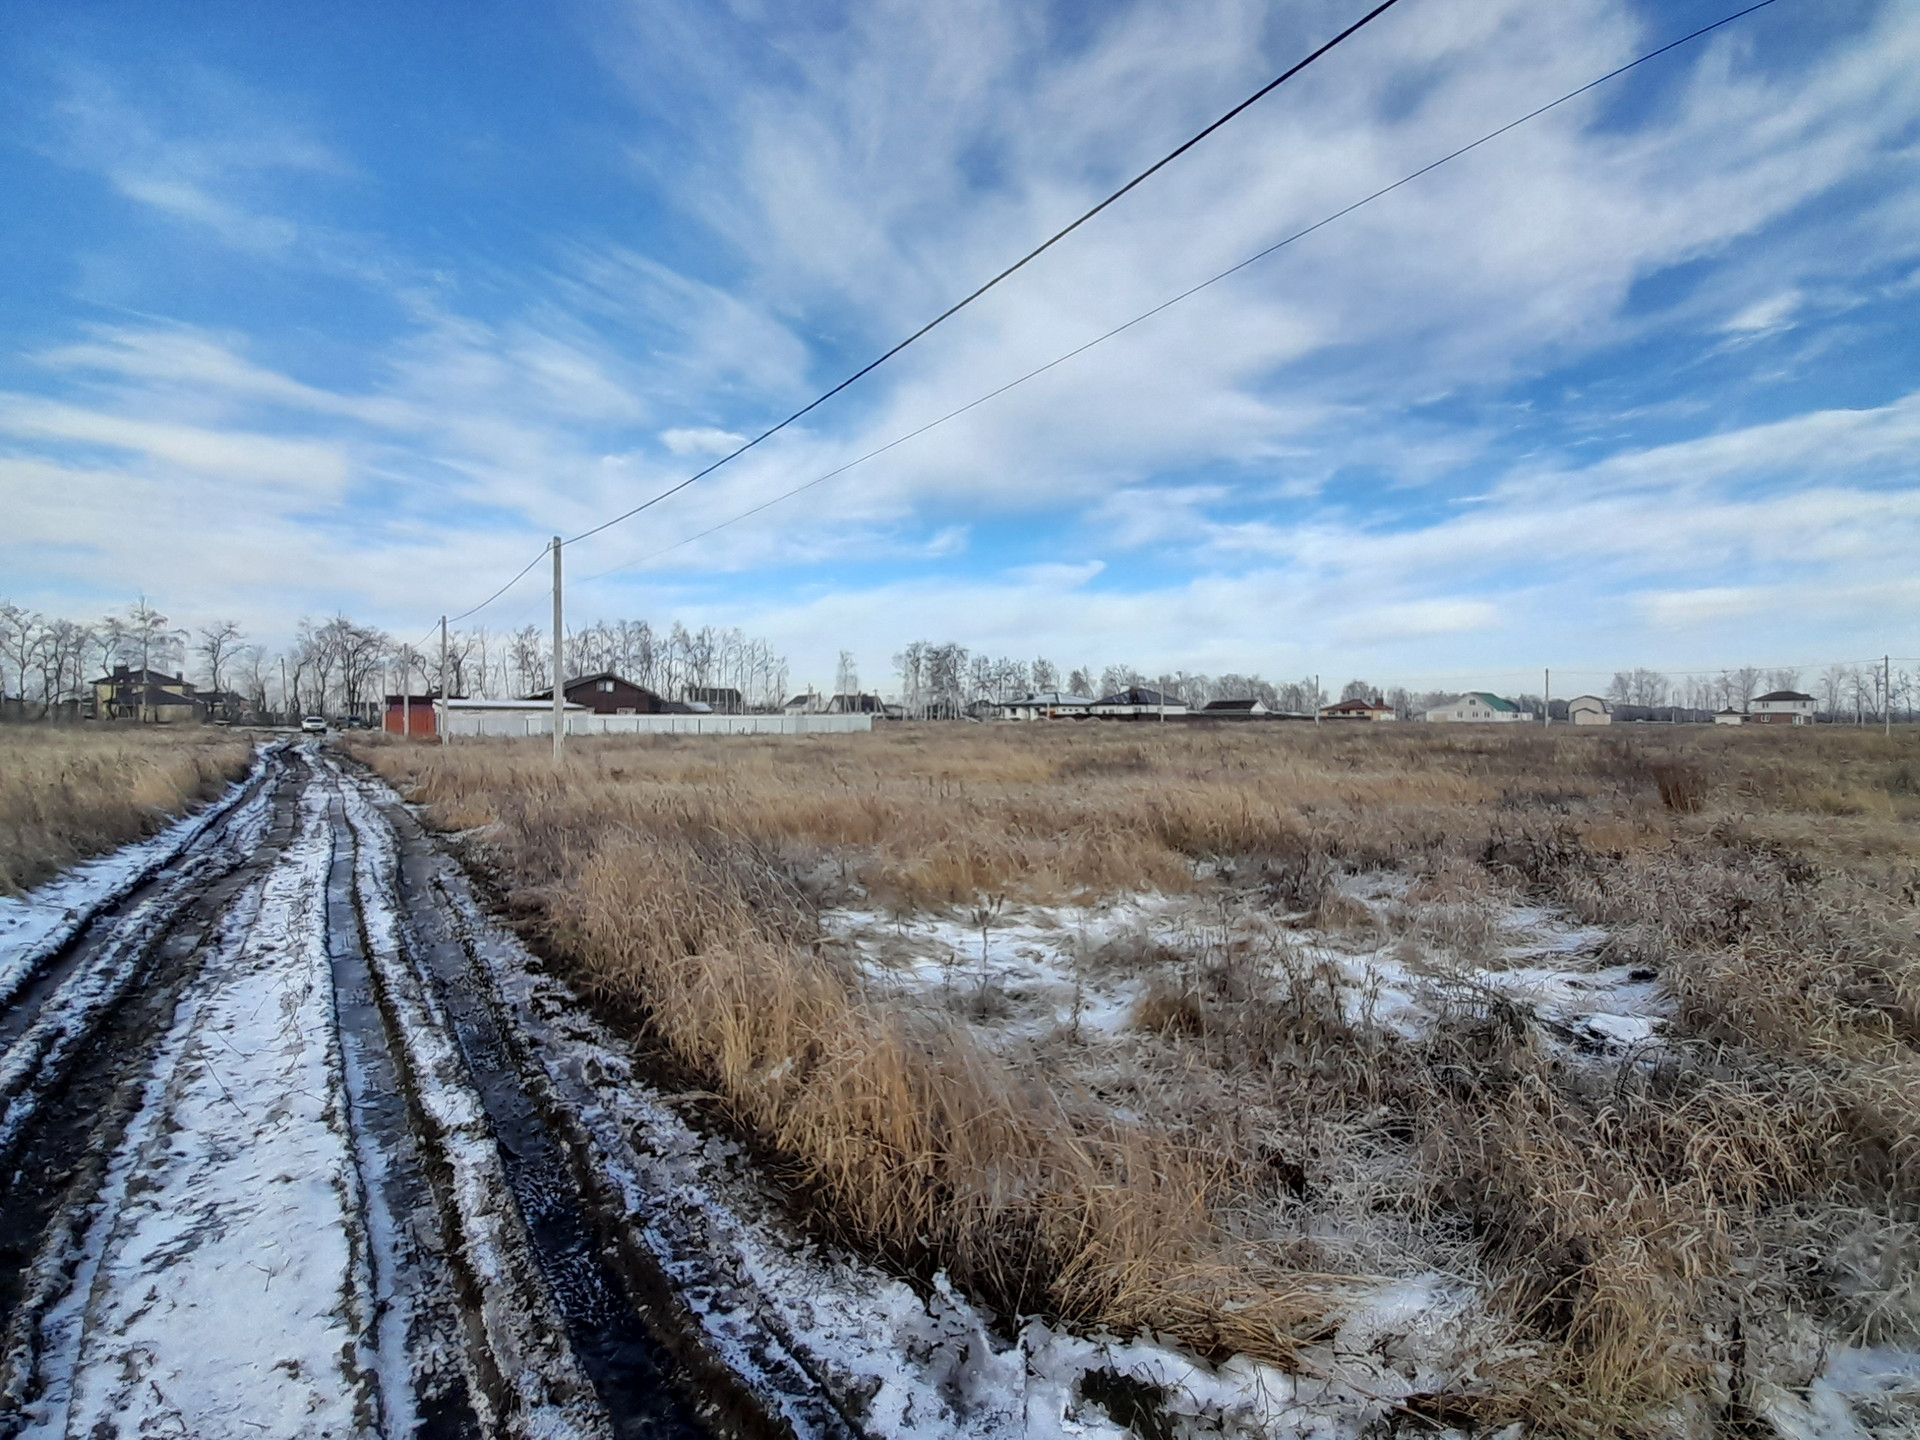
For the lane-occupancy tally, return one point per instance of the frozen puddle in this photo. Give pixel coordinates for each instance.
(235, 1180)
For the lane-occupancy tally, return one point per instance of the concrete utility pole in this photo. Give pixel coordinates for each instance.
(284, 704)
(1316, 699)
(559, 674)
(1886, 696)
(441, 726)
(1546, 704)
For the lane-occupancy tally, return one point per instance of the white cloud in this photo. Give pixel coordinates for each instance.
(700, 440)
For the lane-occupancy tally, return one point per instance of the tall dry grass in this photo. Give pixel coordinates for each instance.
(68, 794)
(1649, 1231)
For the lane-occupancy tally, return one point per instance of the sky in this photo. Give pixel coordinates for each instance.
(347, 307)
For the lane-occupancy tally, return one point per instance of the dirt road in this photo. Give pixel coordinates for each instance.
(278, 1156)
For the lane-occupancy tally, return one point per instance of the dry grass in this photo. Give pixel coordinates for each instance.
(67, 794)
(1650, 1234)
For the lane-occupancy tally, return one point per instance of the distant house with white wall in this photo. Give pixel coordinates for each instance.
(1234, 709)
(1729, 716)
(1479, 706)
(1781, 707)
(1046, 705)
(1589, 710)
(1137, 703)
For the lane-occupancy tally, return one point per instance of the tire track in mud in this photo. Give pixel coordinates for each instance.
(76, 1040)
(489, 1278)
(414, 949)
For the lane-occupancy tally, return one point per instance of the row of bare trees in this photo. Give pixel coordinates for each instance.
(945, 680)
(340, 666)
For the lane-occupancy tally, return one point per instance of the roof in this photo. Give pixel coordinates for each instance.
(1491, 701)
(546, 691)
(540, 705)
(1055, 698)
(1356, 705)
(1231, 704)
(1139, 696)
(1785, 695)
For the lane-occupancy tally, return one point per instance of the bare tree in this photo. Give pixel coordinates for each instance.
(217, 643)
(152, 637)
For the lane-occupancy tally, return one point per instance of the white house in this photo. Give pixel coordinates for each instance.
(1729, 716)
(1781, 707)
(1137, 704)
(1480, 705)
(1589, 710)
(1046, 705)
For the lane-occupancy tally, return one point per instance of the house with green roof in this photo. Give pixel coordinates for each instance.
(1479, 705)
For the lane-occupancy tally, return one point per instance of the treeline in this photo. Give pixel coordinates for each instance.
(340, 666)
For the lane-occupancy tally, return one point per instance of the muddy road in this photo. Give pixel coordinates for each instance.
(278, 1157)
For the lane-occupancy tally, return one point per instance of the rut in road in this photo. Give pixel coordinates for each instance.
(273, 1162)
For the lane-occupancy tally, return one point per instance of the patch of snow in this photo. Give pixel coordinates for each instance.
(1864, 1392)
(219, 1288)
(36, 924)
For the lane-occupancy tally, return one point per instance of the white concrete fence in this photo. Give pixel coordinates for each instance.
(466, 718)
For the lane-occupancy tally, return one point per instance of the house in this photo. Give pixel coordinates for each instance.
(807, 704)
(1781, 707)
(856, 705)
(150, 696)
(422, 724)
(719, 699)
(1232, 709)
(1729, 716)
(1359, 710)
(1046, 705)
(1589, 710)
(1137, 703)
(607, 694)
(1479, 705)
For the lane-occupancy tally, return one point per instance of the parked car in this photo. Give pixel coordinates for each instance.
(314, 725)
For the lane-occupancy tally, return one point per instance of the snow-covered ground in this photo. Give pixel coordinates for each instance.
(44, 919)
(221, 1285)
(1027, 972)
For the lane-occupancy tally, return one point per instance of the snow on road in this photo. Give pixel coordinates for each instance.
(222, 1288)
(43, 919)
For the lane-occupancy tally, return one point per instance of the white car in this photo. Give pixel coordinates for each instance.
(314, 725)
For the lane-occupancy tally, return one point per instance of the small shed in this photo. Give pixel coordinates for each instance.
(1589, 710)
(412, 715)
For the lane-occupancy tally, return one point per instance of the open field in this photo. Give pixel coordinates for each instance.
(1571, 1078)
(68, 793)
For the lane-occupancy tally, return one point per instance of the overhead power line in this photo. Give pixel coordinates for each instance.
(1031, 255)
(1168, 304)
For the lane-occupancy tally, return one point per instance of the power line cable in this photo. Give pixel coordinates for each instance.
(1168, 304)
(545, 550)
(1024, 260)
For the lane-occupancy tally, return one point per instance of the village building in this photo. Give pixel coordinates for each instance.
(856, 705)
(1589, 710)
(1781, 707)
(1046, 705)
(1233, 709)
(719, 699)
(1479, 706)
(1359, 710)
(607, 694)
(1137, 703)
(1729, 716)
(422, 724)
(152, 697)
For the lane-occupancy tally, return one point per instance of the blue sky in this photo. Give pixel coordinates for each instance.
(309, 308)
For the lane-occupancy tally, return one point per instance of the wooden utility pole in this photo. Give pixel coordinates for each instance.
(440, 725)
(559, 674)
